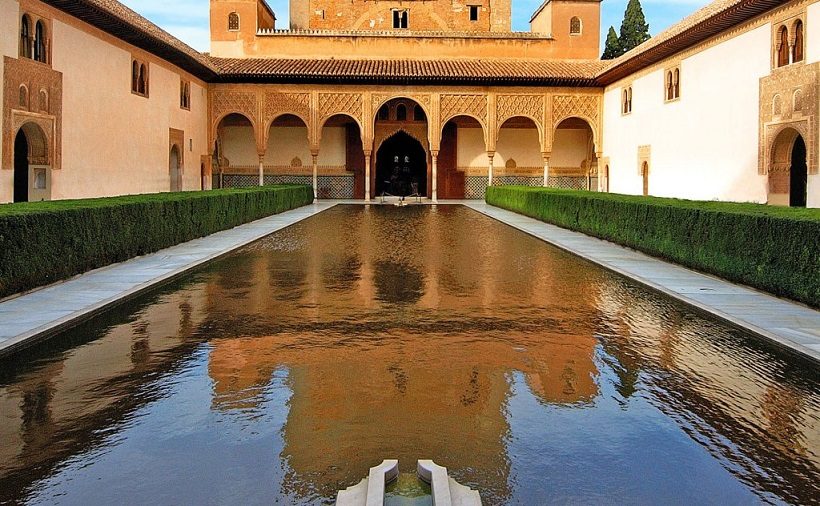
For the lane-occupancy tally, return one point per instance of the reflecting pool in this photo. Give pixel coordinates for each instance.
(281, 373)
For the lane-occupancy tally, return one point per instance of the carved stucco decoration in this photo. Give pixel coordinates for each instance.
(276, 104)
(798, 87)
(576, 106)
(474, 105)
(225, 102)
(416, 131)
(37, 78)
(424, 100)
(510, 106)
(350, 104)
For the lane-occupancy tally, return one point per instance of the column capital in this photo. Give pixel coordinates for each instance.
(434, 152)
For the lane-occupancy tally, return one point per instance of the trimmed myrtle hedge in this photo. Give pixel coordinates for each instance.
(44, 242)
(775, 249)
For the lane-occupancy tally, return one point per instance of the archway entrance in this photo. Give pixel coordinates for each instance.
(401, 167)
(788, 173)
(176, 176)
(798, 174)
(21, 167)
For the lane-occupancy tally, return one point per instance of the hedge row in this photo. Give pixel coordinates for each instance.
(774, 249)
(44, 242)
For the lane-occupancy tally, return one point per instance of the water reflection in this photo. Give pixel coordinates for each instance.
(283, 372)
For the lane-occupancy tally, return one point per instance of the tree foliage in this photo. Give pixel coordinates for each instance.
(634, 29)
(613, 45)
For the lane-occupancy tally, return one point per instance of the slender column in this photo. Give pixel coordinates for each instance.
(261, 169)
(315, 155)
(367, 175)
(546, 157)
(434, 154)
(490, 156)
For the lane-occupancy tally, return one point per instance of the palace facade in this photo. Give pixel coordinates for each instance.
(436, 97)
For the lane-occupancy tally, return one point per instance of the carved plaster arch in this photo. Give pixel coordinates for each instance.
(781, 144)
(225, 114)
(39, 142)
(269, 123)
(484, 129)
(591, 123)
(425, 143)
(378, 100)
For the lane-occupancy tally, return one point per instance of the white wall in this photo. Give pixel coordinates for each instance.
(9, 15)
(704, 146)
(116, 142)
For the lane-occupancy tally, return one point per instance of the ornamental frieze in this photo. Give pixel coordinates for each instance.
(277, 104)
(474, 105)
(350, 104)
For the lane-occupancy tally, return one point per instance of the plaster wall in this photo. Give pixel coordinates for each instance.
(9, 15)
(570, 147)
(520, 144)
(813, 33)
(704, 145)
(114, 141)
(284, 144)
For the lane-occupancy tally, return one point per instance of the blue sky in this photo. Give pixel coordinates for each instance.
(188, 19)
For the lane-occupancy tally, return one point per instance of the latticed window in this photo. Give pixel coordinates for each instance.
(25, 37)
(233, 22)
(40, 47)
(575, 26)
(783, 47)
(797, 52)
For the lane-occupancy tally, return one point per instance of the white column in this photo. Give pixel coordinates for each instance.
(367, 176)
(490, 156)
(434, 154)
(261, 169)
(315, 157)
(546, 170)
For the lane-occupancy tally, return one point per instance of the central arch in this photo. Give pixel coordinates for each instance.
(401, 166)
(31, 164)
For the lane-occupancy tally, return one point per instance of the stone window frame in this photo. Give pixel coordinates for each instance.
(184, 94)
(672, 83)
(234, 22)
(32, 50)
(573, 22)
(788, 23)
(626, 99)
(140, 69)
(474, 12)
(398, 20)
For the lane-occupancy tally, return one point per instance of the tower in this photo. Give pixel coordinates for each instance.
(575, 25)
(236, 22)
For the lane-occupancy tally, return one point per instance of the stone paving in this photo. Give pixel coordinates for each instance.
(44, 312)
(792, 325)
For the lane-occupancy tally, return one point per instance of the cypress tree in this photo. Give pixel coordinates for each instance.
(634, 29)
(613, 45)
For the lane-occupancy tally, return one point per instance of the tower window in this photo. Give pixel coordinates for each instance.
(25, 37)
(474, 12)
(672, 84)
(233, 22)
(40, 52)
(783, 47)
(185, 95)
(400, 19)
(626, 105)
(139, 78)
(797, 52)
(575, 26)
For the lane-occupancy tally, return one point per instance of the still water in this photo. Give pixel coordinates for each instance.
(281, 373)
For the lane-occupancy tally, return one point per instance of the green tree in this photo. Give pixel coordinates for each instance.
(613, 45)
(634, 29)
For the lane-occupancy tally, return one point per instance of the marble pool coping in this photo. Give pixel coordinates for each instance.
(35, 316)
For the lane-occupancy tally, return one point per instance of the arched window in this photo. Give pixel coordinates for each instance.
(676, 82)
(135, 76)
(783, 47)
(625, 105)
(777, 106)
(798, 101)
(142, 83)
(575, 26)
(401, 112)
(233, 22)
(384, 113)
(40, 42)
(25, 37)
(629, 98)
(670, 86)
(797, 52)
(23, 99)
(43, 101)
(418, 114)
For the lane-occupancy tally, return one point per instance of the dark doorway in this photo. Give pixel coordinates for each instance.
(21, 167)
(401, 167)
(798, 174)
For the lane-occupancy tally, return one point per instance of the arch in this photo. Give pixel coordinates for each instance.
(23, 96)
(30, 148)
(349, 183)
(797, 50)
(575, 26)
(535, 123)
(797, 100)
(25, 37)
(418, 113)
(387, 99)
(670, 87)
(401, 112)
(40, 45)
(676, 81)
(284, 116)
(573, 154)
(782, 46)
(224, 149)
(788, 171)
(589, 123)
(135, 75)
(43, 101)
(401, 166)
(329, 117)
(233, 22)
(142, 81)
(606, 178)
(175, 168)
(383, 113)
(777, 105)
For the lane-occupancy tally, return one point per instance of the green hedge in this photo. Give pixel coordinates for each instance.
(775, 249)
(44, 242)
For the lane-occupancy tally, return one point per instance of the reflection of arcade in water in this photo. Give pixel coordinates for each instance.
(401, 167)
